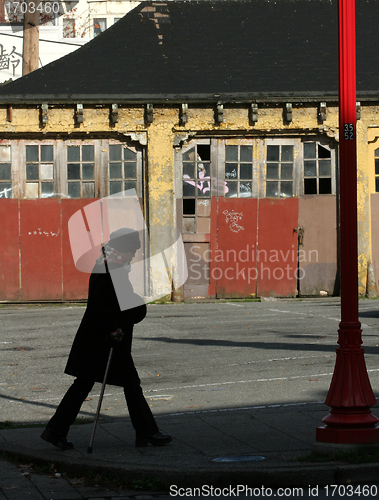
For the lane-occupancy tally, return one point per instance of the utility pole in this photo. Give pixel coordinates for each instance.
(30, 60)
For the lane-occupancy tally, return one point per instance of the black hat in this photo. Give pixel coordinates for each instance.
(125, 239)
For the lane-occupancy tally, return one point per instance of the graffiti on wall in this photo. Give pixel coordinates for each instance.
(233, 217)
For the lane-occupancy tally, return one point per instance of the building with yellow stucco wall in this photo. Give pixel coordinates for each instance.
(230, 139)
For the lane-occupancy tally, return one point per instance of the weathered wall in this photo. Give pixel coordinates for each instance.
(165, 130)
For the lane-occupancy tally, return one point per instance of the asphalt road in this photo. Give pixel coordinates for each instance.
(190, 357)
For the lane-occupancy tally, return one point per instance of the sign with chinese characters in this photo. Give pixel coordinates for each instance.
(10, 59)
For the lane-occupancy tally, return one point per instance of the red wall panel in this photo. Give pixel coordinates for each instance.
(277, 247)
(41, 249)
(9, 261)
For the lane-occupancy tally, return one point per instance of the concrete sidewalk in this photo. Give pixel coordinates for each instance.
(264, 443)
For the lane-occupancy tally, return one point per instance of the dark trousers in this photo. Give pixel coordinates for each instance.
(68, 409)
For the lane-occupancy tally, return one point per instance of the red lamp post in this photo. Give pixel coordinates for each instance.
(350, 395)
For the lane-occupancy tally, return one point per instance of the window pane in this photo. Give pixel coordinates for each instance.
(130, 170)
(231, 153)
(323, 152)
(286, 172)
(115, 187)
(47, 153)
(115, 171)
(31, 190)
(47, 171)
(5, 190)
(310, 169)
(5, 172)
(246, 189)
(272, 171)
(73, 153)
(74, 189)
(233, 189)
(189, 206)
(272, 153)
(5, 153)
(309, 150)
(88, 153)
(99, 25)
(246, 153)
(324, 167)
(32, 173)
(231, 171)
(115, 152)
(189, 169)
(189, 225)
(325, 186)
(88, 190)
(204, 152)
(272, 189)
(129, 155)
(32, 153)
(246, 171)
(310, 186)
(287, 153)
(189, 155)
(204, 191)
(203, 170)
(47, 189)
(286, 189)
(188, 190)
(377, 152)
(73, 171)
(377, 185)
(377, 166)
(88, 171)
(130, 185)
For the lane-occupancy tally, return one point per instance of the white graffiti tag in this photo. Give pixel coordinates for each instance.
(233, 217)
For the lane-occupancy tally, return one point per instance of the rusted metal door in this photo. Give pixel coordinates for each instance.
(276, 253)
(233, 271)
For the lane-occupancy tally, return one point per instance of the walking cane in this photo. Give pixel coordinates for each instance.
(89, 449)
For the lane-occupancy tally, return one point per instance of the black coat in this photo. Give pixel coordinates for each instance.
(90, 350)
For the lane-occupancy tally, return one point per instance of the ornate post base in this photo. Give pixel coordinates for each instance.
(350, 395)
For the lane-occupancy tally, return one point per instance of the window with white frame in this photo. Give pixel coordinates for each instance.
(5, 172)
(39, 176)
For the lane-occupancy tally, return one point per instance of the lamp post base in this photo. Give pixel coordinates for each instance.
(351, 435)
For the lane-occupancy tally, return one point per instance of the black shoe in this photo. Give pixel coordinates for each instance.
(58, 441)
(158, 439)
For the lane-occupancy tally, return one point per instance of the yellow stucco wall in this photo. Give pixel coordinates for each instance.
(165, 129)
